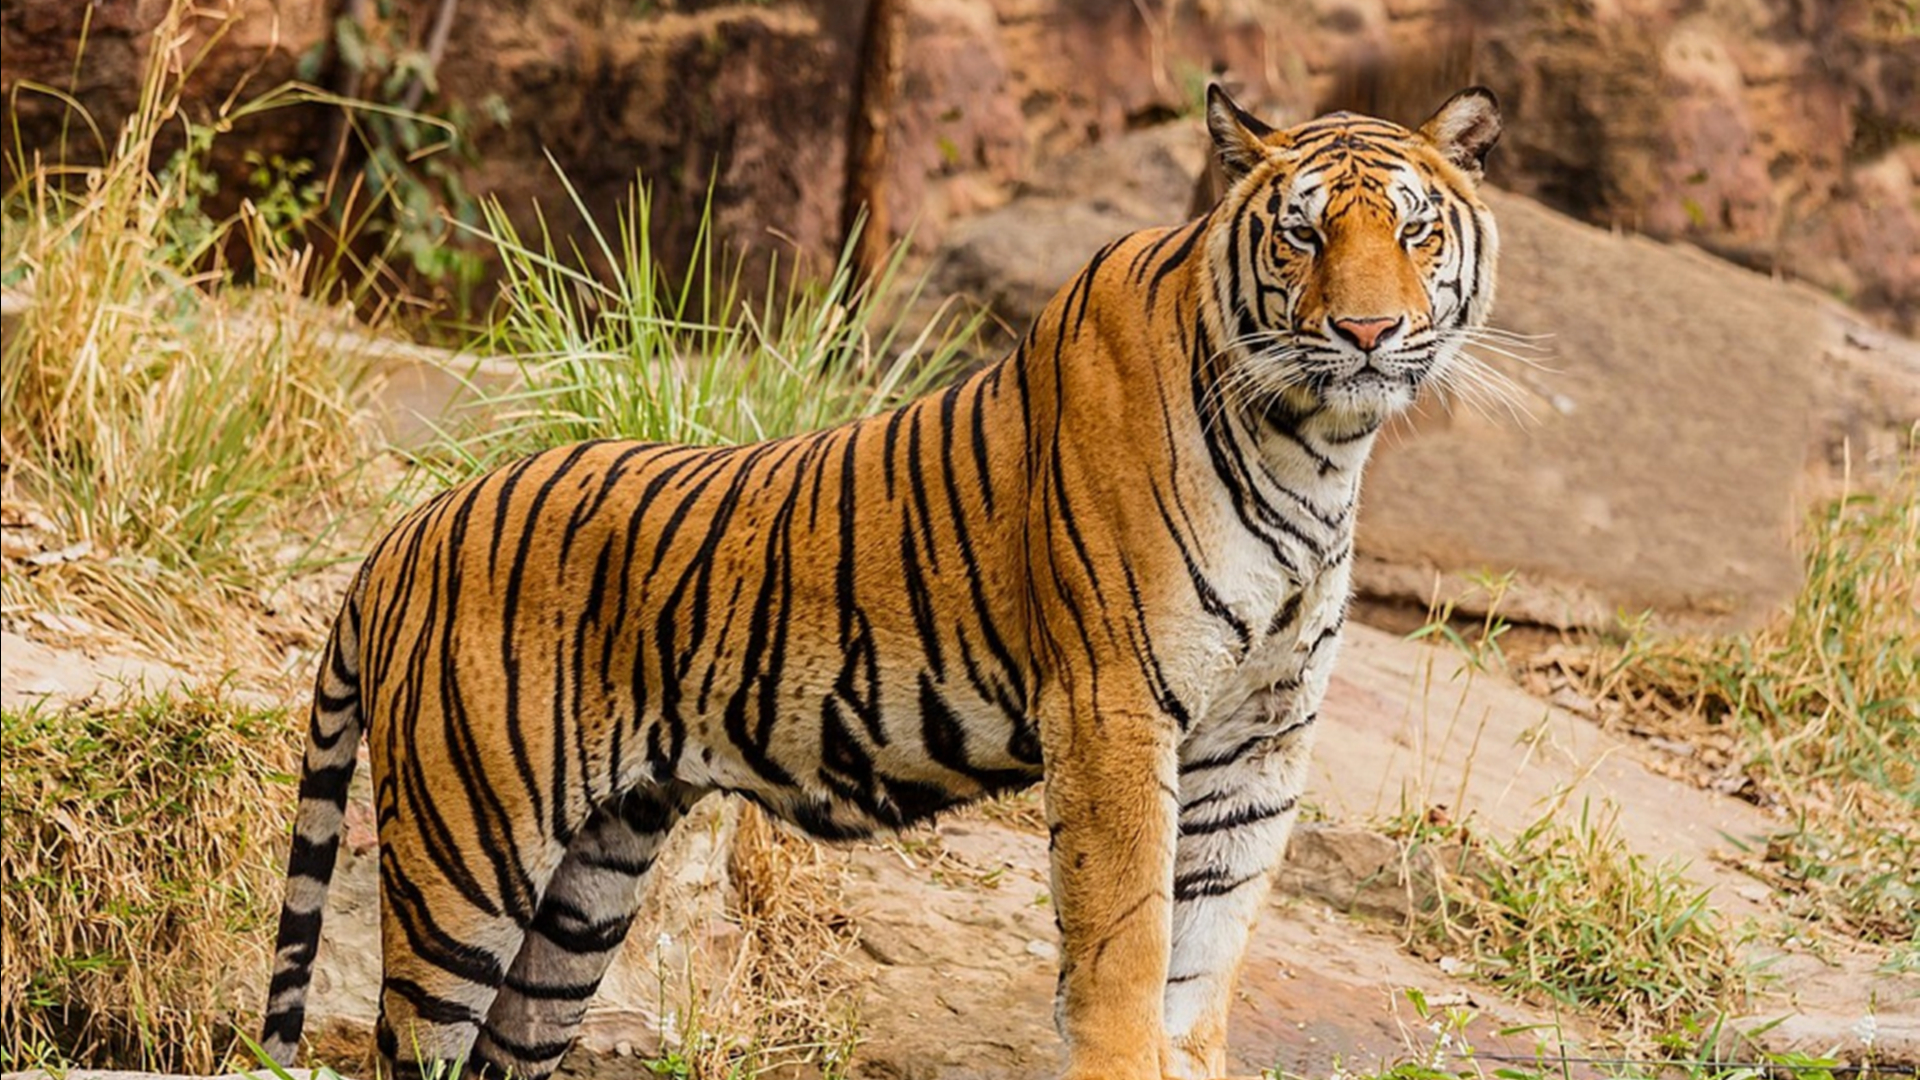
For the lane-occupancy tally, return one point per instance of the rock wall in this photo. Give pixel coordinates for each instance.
(1784, 134)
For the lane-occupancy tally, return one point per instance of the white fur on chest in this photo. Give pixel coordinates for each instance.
(1291, 630)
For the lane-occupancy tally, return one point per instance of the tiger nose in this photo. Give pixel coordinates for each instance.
(1367, 333)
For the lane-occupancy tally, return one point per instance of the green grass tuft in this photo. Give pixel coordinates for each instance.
(1821, 711)
(631, 351)
(169, 425)
(1567, 912)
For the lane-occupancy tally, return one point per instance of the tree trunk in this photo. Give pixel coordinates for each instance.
(867, 155)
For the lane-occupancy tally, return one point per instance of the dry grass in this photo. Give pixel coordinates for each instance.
(1022, 811)
(1564, 911)
(138, 876)
(166, 429)
(1817, 713)
(784, 995)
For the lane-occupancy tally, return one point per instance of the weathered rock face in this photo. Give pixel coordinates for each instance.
(1780, 133)
(1777, 134)
(96, 54)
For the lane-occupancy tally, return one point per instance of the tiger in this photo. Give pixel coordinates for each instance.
(1117, 560)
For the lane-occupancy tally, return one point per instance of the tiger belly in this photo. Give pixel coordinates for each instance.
(921, 748)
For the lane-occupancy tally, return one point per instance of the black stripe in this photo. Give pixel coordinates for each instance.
(1212, 881)
(1237, 819)
(428, 940)
(530, 1052)
(293, 978)
(284, 1027)
(579, 991)
(585, 935)
(314, 859)
(427, 1006)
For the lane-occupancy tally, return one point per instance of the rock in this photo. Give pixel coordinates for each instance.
(1895, 1039)
(1864, 246)
(260, 47)
(1014, 258)
(957, 137)
(1711, 181)
(974, 998)
(1753, 128)
(35, 673)
(1359, 871)
(1758, 128)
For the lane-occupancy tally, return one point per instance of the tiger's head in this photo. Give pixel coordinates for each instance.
(1351, 258)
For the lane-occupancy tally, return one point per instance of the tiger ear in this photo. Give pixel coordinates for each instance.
(1465, 128)
(1237, 134)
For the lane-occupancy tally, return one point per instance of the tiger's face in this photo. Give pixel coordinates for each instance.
(1351, 256)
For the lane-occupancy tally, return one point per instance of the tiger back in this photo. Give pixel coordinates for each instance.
(1118, 559)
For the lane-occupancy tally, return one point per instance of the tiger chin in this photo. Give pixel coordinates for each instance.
(1117, 560)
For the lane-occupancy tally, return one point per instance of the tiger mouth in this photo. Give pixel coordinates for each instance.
(1371, 375)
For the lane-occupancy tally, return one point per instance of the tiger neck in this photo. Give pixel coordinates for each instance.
(1298, 438)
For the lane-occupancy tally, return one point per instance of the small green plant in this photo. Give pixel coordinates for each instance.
(1567, 912)
(634, 352)
(1482, 649)
(1694, 1052)
(407, 193)
(1823, 706)
(673, 1065)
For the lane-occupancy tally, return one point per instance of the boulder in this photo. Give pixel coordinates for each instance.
(1012, 259)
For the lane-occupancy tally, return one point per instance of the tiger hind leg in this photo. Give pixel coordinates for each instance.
(586, 912)
(445, 959)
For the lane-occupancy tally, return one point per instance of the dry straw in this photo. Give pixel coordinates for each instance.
(138, 872)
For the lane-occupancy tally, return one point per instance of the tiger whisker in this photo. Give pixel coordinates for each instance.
(1506, 347)
(1485, 389)
(1510, 335)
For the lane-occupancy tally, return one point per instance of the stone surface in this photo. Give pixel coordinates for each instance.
(958, 951)
(36, 672)
(1671, 415)
(1012, 259)
(1779, 133)
(1358, 871)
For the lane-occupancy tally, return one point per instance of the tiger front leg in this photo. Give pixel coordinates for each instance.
(1111, 805)
(1240, 788)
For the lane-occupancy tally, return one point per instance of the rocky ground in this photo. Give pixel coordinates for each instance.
(954, 970)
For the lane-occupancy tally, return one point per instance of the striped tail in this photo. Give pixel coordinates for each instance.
(333, 740)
